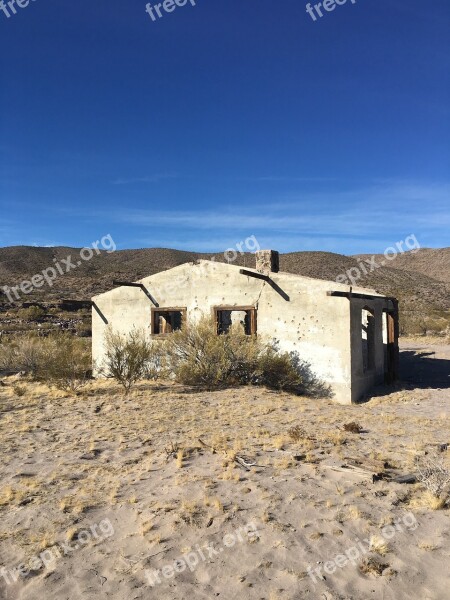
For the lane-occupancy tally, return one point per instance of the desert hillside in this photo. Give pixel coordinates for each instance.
(421, 280)
(433, 262)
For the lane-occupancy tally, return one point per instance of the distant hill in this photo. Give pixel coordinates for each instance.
(433, 262)
(421, 280)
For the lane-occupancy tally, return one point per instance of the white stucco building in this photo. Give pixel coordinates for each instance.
(349, 336)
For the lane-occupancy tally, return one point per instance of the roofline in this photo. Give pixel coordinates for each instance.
(351, 295)
(254, 273)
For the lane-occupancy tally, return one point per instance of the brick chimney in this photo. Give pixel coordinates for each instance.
(267, 261)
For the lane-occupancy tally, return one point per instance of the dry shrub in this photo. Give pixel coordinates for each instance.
(130, 358)
(19, 390)
(297, 433)
(22, 355)
(279, 370)
(428, 500)
(353, 427)
(60, 359)
(32, 313)
(372, 566)
(435, 476)
(68, 362)
(198, 356)
(379, 545)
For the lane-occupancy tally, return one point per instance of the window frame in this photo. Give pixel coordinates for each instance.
(164, 309)
(253, 316)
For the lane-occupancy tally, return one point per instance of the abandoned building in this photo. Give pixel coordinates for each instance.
(348, 336)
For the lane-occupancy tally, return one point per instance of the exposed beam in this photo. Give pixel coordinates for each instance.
(137, 285)
(350, 295)
(100, 314)
(127, 284)
(267, 279)
(255, 275)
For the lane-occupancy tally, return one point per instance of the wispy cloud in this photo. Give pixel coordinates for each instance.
(359, 220)
(357, 213)
(147, 179)
(286, 179)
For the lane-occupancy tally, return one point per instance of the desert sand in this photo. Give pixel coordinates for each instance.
(244, 493)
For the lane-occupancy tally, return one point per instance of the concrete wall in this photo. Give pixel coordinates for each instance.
(364, 379)
(312, 323)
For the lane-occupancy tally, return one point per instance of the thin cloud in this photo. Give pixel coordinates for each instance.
(358, 220)
(147, 179)
(358, 213)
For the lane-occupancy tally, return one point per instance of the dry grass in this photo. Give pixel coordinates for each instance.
(428, 500)
(121, 457)
(372, 566)
(427, 545)
(379, 545)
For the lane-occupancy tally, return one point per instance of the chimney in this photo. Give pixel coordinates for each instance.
(267, 261)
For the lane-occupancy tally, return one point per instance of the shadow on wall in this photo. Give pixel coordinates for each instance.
(312, 386)
(423, 371)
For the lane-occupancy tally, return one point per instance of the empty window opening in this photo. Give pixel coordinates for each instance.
(167, 320)
(243, 317)
(368, 339)
(389, 345)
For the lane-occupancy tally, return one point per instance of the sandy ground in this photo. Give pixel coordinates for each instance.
(102, 496)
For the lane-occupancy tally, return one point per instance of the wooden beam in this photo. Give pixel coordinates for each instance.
(137, 285)
(255, 275)
(350, 295)
(268, 280)
(127, 284)
(100, 314)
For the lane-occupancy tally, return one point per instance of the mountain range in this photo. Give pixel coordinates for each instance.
(420, 279)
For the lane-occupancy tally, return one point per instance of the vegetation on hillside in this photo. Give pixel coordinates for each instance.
(420, 280)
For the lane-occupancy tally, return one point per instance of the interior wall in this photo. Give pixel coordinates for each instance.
(363, 378)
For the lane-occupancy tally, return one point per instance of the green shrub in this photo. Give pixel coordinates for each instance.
(32, 313)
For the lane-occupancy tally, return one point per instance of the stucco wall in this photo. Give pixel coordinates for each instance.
(312, 323)
(364, 380)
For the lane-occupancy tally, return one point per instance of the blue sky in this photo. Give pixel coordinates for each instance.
(223, 120)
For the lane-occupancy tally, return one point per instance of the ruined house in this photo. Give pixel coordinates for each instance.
(349, 336)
